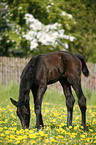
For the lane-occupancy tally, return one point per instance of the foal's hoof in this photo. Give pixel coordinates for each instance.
(39, 127)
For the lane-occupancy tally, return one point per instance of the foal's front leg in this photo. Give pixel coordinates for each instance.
(39, 121)
(38, 95)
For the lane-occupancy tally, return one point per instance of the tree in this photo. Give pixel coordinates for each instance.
(51, 15)
(45, 34)
(77, 18)
(5, 25)
(84, 13)
(4, 22)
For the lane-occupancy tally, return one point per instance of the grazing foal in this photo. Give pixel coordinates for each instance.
(46, 69)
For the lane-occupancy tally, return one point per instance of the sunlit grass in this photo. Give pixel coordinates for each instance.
(55, 119)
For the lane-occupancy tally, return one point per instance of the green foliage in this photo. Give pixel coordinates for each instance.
(4, 22)
(82, 25)
(6, 45)
(84, 13)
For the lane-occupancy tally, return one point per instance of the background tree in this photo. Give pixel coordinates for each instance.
(5, 25)
(76, 17)
(84, 13)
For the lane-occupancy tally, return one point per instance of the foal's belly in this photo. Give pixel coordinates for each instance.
(54, 75)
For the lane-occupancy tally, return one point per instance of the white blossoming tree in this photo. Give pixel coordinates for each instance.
(51, 34)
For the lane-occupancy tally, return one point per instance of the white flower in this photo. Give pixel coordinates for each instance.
(48, 7)
(66, 46)
(3, 17)
(1, 38)
(72, 38)
(48, 10)
(13, 41)
(8, 41)
(7, 20)
(52, 3)
(70, 16)
(6, 6)
(45, 34)
(19, 8)
(63, 13)
(34, 44)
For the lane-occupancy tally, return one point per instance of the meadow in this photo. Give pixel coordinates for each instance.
(54, 113)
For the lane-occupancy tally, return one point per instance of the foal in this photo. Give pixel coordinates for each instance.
(46, 69)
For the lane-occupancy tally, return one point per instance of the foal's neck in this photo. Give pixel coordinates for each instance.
(24, 96)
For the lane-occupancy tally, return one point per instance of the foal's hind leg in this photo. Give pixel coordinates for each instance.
(82, 103)
(69, 99)
(38, 92)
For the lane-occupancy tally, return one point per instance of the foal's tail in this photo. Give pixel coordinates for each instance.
(84, 66)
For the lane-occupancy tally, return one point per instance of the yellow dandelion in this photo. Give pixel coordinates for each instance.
(82, 127)
(54, 120)
(13, 124)
(94, 121)
(5, 127)
(62, 123)
(90, 111)
(57, 130)
(30, 131)
(88, 139)
(52, 140)
(2, 134)
(90, 130)
(32, 136)
(33, 141)
(17, 132)
(93, 115)
(82, 136)
(41, 133)
(77, 117)
(24, 141)
(75, 127)
(19, 137)
(12, 137)
(17, 142)
(47, 111)
(48, 128)
(10, 140)
(7, 132)
(14, 128)
(25, 137)
(10, 128)
(1, 129)
(6, 120)
(26, 130)
(60, 136)
(70, 127)
(95, 141)
(46, 140)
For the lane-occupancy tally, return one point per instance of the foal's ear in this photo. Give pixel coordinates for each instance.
(14, 102)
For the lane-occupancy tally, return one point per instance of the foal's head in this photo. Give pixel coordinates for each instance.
(23, 112)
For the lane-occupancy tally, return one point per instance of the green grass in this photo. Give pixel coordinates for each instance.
(55, 119)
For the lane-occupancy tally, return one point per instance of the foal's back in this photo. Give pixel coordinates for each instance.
(55, 65)
(51, 67)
